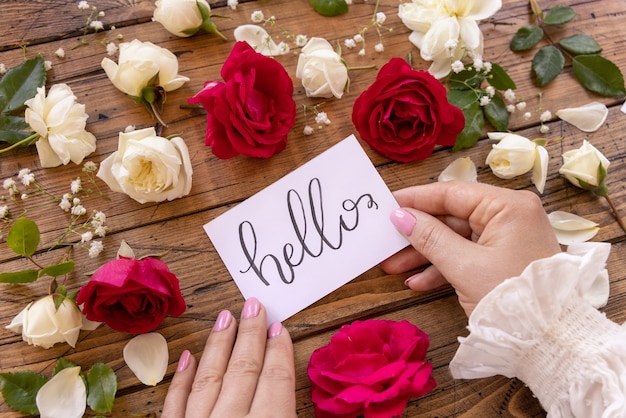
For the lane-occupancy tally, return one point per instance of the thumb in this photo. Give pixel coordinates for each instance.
(433, 239)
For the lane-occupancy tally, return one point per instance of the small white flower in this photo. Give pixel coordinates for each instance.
(358, 37)
(545, 116)
(78, 210)
(96, 24)
(362, 52)
(485, 100)
(67, 196)
(60, 53)
(544, 129)
(380, 18)
(76, 185)
(451, 44)
(98, 219)
(308, 130)
(349, 43)
(95, 249)
(76, 201)
(232, 4)
(510, 108)
(129, 128)
(283, 47)
(111, 48)
(257, 16)
(301, 40)
(478, 63)
(47, 65)
(86, 236)
(509, 95)
(322, 118)
(83, 5)
(379, 47)
(24, 196)
(490, 90)
(3, 68)
(101, 13)
(65, 205)
(101, 231)
(527, 115)
(521, 106)
(457, 66)
(487, 67)
(26, 176)
(8, 184)
(90, 167)
(4, 211)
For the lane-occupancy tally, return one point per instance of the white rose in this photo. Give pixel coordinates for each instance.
(138, 63)
(321, 69)
(60, 123)
(585, 167)
(42, 324)
(512, 156)
(180, 17)
(147, 167)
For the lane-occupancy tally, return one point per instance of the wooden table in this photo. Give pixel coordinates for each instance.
(41, 28)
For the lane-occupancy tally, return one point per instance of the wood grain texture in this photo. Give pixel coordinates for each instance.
(219, 184)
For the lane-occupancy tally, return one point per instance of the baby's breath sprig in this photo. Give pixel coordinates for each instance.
(377, 23)
(321, 118)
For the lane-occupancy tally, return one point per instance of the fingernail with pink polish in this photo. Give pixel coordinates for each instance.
(274, 330)
(403, 221)
(223, 321)
(408, 281)
(183, 361)
(251, 308)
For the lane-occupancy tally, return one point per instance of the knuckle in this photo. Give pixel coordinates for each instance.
(428, 239)
(206, 379)
(243, 367)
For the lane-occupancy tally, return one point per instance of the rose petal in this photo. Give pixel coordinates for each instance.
(147, 356)
(540, 169)
(63, 396)
(257, 38)
(572, 229)
(462, 169)
(587, 118)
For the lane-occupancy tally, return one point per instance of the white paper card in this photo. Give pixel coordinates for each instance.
(310, 232)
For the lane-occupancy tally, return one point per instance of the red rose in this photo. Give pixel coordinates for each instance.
(132, 295)
(405, 113)
(370, 368)
(252, 111)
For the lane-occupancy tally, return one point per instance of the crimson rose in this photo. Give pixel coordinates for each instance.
(132, 295)
(370, 368)
(252, 110)
(405, 113)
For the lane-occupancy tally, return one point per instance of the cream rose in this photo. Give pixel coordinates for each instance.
(147, 167)
(138, 63)
(585, 167)
(321, 69)
(60, 123)
(41, 323)
(513, 156)
(180, 17)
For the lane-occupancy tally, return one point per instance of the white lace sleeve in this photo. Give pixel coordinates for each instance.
(542, 327)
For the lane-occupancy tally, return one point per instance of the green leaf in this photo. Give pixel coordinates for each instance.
(599, 75)
(58, 269)
(24, 276)
(499, 78)
(330, 7)
(62, 363)
(102, 384)
(23, 237)
(547, 63)
(20, 84)
(580, 44)
(462, 98)
(19, 390)
(559, 15)
(13, 129)
(526, 38)
(466, 79)
(496, 113)
(473, 130)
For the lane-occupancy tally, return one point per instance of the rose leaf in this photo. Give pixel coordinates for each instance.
(23, 237)
(547, 63)
(559, 15)
(330, 7)
(24, 276)
(500, 79)
(496, 113)
(466, 79)
(102, 384)
(20, 83)
(473, 130)
(580, 44)
(57, 269)
(13, 129)
(599, 75)
(62, 363)
(19, 390)
(526, 38)
(462, 98)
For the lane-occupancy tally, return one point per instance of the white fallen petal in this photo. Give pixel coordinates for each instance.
(587, 118)
(147, 356)
(540, 168)
(462, 169)
(257, 38)
(63, 396)
(572, 229)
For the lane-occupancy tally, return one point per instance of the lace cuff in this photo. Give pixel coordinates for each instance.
(542, 327)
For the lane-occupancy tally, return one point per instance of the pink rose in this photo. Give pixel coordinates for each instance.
(370, 368)
(132, 295)
(252, 110)
(405, 113)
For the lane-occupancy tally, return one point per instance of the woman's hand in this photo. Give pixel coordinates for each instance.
(243, 372)
(475, 236)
